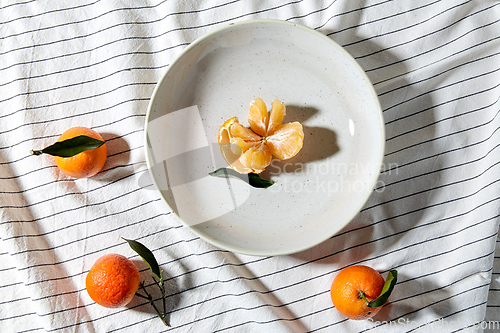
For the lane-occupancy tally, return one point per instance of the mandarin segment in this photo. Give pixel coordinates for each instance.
(246, 134)
(286, 141)
(277, 114)
(251, 149)
(233, 159)
(239, 145)
(258, 117)
(256, 158)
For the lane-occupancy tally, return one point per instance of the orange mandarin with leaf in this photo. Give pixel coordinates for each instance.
(79, 152)
(359, 292)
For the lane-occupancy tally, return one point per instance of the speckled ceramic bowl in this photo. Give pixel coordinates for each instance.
(317, 192)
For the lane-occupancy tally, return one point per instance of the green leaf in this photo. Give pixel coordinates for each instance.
(389, 284)
(146, 255)
(256, 181)
(70, 147)
(252, 179)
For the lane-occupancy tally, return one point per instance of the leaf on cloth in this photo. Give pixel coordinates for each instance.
(146, 255)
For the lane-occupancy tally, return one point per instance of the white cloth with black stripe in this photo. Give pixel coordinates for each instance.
(436, 68)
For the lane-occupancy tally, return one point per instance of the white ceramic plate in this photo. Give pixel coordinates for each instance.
(318, 191)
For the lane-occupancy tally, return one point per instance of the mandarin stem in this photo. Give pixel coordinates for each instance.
(362, 295)
(162, 283)
(141, 296)
(161, 286)
(151, 301)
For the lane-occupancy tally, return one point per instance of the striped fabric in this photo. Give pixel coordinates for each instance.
(434, 215)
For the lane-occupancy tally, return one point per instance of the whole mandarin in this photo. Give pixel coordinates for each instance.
(112, 281)
(346, 288)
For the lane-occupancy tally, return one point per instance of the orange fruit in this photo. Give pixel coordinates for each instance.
(346, 288)
(112, 281)
(85, 164)
(251, 149)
